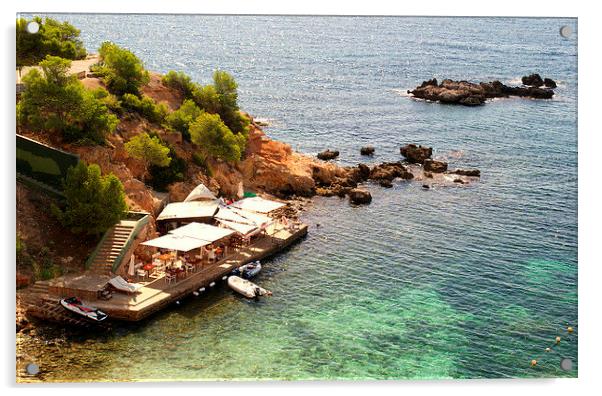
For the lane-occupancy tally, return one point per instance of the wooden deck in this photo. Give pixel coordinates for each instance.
(157, 294)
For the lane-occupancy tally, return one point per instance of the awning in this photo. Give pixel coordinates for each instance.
(176, 242)
(256, 218)
(188, 210)
(258, 204)
(200, 192)
(228, 214)
(202, 231)
(243, 229)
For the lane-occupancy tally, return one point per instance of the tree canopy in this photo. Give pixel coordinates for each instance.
(210, 132)
(94, 203)
(181, 119)
(221, 97)
(53, 38)
(120, 69)
(56, 102)
(148, 149)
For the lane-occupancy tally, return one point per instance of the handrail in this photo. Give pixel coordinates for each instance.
(141, 218)
(93, 255)
(139, 225)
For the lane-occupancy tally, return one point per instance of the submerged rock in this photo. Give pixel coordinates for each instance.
(368, 150)
(467, 172)
(359, 197)
(433, 166)
(416, 153)
(385, 183)
(328, 155)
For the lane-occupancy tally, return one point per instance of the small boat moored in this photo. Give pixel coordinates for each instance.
(247, 271)
(247, 288)
(75, 305)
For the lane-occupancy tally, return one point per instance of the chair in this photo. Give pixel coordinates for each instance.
(141, 273)
(189, 267)
(169, 277)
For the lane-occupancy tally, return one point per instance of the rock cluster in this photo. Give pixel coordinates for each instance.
(535, 80)
(473, 94)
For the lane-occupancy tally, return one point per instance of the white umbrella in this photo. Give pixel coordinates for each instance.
(131, 270)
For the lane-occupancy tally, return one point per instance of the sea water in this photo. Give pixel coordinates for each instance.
(453, 282)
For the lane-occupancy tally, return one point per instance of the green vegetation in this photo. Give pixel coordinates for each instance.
(149, 150)
(46, 268)
(221, 97)
(53, 38)
(179, 81)
(146, 107)
(226, 89)
(162, 176)
(181, 119)
(120, 69)
(210, 132)
(55, 102)
(94, 203)
(210, 116)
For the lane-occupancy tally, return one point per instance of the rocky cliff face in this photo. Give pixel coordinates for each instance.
(273, 167)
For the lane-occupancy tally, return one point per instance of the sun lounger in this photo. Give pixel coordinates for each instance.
(122, 285)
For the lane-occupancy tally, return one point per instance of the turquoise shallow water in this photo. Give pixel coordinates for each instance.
(456, 282)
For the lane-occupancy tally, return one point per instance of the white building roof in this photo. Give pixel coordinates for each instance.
(200, 192)
(239, 227)
(256, 218)
(228, 214)
(176, 242)
(258, 204)
(202, 231)
(188, 210)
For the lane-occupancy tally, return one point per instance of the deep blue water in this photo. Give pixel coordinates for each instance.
(454, 282)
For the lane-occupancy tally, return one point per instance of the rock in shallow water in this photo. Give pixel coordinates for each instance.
(359, 197)
(368, 150)
(533, 80)
(435, 166)
(328, 155)
(415, 153)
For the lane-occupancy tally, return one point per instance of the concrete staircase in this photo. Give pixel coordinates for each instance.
(112, 246)
(40, 287)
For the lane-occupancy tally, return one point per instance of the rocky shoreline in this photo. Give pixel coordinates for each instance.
(476, 94)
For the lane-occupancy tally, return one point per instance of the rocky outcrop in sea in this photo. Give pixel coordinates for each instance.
(475, 94)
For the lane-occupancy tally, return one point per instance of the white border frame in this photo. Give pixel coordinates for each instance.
(588, 214)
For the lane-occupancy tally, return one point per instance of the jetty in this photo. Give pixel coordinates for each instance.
(154, 290)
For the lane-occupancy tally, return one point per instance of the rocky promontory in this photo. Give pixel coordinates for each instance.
(475, 94)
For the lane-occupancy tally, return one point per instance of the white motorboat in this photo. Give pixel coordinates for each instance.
(247, 288)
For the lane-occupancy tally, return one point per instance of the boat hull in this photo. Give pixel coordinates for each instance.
(246, 288)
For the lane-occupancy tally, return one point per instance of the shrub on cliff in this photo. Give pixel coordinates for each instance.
(94, 202)
(53, 38)
(181, 119)
(210, 132)
(146, 107)
(56, 102)
(120, 69)
(150, 150)
(179, 81)
(162, 176)
(226, 89)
